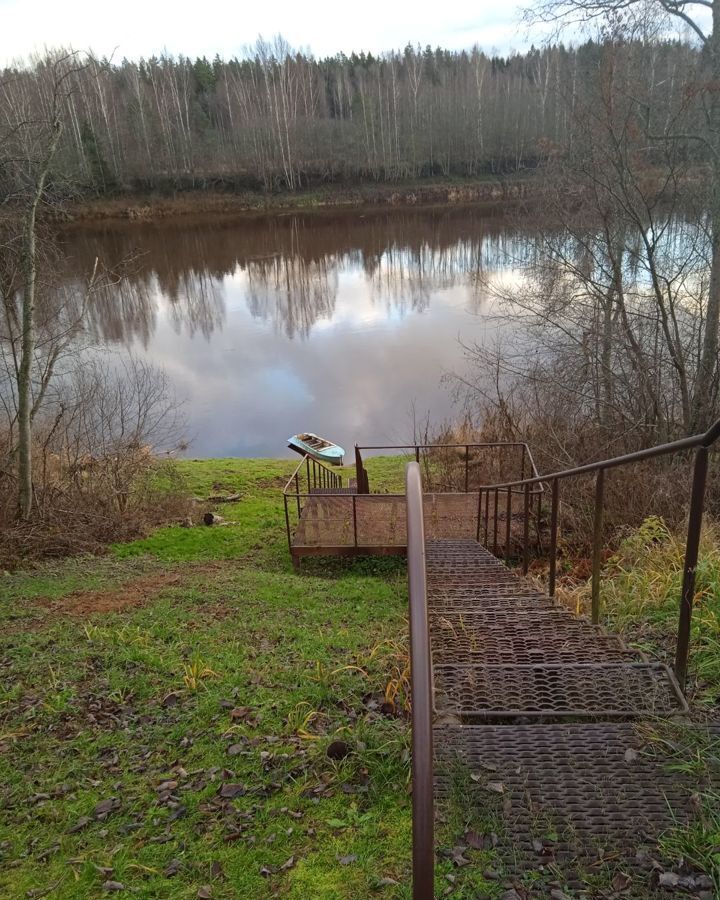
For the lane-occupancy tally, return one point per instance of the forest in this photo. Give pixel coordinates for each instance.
(281, 120)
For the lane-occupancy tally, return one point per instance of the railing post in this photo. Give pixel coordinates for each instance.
(287, 523)
(692, 547)
(508, 519)
(361, 487)
(467, 462)
(354, 503)
(417, 454)
(495, 527)
(526, 531)
(553, 536)
(297, 492)
(479, 515)
(307, 471)
(597, 545)
(487, 516)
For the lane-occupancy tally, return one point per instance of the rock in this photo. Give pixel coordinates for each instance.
(668, 880)
(337, 750)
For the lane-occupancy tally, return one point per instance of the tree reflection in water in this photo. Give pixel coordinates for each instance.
(290, 265)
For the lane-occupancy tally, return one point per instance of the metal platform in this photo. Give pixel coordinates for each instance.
(577, 799)
(546, 707)
(335, 524)
(500, 650)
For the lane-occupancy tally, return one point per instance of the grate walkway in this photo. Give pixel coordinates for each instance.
(552, 710)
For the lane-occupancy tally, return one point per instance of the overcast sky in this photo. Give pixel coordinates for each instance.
(136, 28)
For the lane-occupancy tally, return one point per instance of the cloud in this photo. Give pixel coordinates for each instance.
(218, 26)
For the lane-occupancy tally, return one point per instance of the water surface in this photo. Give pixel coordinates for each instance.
(333, 323)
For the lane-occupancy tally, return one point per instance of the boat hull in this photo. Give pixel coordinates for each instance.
(331, 455)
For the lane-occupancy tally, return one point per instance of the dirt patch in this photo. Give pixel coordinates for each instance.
(134, 593)
(276, 481)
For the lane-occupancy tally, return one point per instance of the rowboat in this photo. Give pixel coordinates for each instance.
(311, 445)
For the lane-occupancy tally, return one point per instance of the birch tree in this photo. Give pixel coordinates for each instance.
(701, 18)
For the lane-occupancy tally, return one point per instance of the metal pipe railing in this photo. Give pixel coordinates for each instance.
(317, 477)
(701, 443)
(421, 690)
(362, 476)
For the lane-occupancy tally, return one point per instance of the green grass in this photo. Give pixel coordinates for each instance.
(640, 598)
(111, 704)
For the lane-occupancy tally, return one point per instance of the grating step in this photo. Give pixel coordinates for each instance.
(509, 641)
(547, 691)
(582, 796)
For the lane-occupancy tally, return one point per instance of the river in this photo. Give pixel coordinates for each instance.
(337, 323)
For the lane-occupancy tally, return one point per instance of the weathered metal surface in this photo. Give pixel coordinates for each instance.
(558, 690)
(421, 684)
(335, 521)
(578, 800)
(501, 651)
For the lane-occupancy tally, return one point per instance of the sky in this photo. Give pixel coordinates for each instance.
(137, 28)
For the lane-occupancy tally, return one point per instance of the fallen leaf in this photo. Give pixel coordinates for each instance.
(228, 790)
(204, 892)
(105, 807)
(216, 869)
(113, 886)
(81, 823)
(166, 786)
(621, 881)
(475, 841)
(288, 864)
(496, 787)
(347, 860)
(173, 867)
(631, 755)
(458, 858)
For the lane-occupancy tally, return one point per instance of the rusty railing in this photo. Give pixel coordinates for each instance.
(524, 453)
(421, 693)
(314, 477)
(701, 443)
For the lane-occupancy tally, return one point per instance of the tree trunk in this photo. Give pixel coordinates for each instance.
(27, 346)
(702, 413)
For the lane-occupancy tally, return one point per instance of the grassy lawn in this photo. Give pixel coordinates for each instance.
(188, 717)
(166, 713)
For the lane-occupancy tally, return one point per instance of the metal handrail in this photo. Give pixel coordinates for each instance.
(316, 471)
(421, 692)
(701, 443)
(361, 472)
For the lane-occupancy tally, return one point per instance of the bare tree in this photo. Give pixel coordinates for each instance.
(702, 19)
(29, 147)
(606, 323)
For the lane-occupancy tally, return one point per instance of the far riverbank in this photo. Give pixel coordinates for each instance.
(153, 206)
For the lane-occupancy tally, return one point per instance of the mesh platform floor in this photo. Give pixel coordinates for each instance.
(585, 797)
(501, 650)
(540, 701)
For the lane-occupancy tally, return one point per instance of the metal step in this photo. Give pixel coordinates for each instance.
(550, 691)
